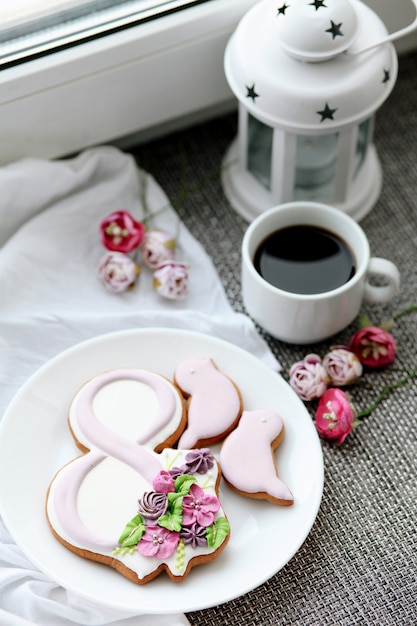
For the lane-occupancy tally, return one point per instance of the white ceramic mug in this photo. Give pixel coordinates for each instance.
(303, 319)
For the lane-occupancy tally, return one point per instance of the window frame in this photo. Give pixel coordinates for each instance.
(136, 81)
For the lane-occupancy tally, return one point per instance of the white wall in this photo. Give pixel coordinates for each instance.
(132, 84)
(397, 14)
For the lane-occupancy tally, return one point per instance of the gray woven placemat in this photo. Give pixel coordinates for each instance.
(359, 563)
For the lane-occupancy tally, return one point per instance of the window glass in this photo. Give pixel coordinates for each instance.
(365, 131)
(31, 28)
(315, 166)
(259, 154)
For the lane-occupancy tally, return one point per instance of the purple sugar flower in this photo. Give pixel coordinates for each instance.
(152, 505)
(194, 535)
(199, 461)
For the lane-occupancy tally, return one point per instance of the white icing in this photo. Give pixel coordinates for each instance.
(119, 417)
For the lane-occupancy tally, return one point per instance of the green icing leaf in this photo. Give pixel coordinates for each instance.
(173, 496)
(217, 532)
(183, 483)
(172, 520)
(132, 532)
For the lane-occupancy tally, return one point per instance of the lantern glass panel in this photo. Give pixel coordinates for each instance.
(315, 165)
(365, 132)
(259, 150)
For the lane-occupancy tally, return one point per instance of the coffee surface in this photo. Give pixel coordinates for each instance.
(304, 259)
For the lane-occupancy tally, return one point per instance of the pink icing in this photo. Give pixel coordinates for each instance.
(99, 434)
(246, 459)
(214, 405)
(104, 442)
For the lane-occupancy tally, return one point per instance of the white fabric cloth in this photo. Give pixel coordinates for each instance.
(51, 298)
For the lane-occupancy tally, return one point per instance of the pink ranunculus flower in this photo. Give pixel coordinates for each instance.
(170, 280)
(335, 415)
(373, 346)
(120, 232)
(158, 542)
(117, 271)
(199, 507)
(164, 482)
(342, 366)
(309, 378)
(157, 246)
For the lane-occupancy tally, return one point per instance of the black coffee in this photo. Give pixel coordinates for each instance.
(304, 259)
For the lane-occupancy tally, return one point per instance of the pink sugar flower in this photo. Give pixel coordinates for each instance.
(342, 366)
(120, 232)
(164, 482)
(199, 507)
(157, 247)
(373, 346)
(309, 378)
(158, 542)
(335, 416)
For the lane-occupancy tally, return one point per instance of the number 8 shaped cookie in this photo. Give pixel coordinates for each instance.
(130, 501)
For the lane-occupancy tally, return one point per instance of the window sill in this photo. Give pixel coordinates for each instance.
(125, 84)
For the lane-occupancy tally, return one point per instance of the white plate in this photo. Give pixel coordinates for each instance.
(35, 442)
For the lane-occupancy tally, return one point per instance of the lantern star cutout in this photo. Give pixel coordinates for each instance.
(281, 10)
(327, 113)
(318, 4)
(252, 93)
(387, 76)
(335, 30)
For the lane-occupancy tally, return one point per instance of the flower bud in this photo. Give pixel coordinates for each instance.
(157, 247)
(309, 378)
(120, 232)
(373, 346)
(117, 271)
(335, 416)
(171, 280)
(342, 366)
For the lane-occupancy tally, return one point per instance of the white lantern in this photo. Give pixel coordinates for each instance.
(309, 76)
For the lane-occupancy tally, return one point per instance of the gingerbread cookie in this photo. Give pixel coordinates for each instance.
(127, 501)
(247, 457)
(214, 403)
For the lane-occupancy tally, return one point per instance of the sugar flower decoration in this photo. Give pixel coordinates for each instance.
(179, 512)
(199, 507)
(164, 482)
(194, 535)
(199, 461)
(117, 271)
(158, 542)
(152, 505)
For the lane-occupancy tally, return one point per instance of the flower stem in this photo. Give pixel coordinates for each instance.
(407, 311)
(387, 390)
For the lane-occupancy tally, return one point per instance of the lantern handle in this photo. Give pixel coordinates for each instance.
(392, 37)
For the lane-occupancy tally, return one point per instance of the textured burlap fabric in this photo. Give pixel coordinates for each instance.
(359, 563)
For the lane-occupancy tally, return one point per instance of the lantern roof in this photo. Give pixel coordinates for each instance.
(298, 65)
